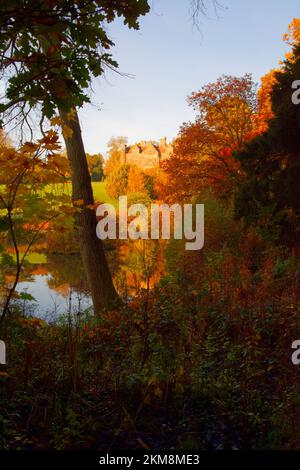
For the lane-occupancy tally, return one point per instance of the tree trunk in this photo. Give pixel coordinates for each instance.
(91, 248)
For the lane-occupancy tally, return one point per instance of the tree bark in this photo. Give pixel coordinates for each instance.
(103, 293)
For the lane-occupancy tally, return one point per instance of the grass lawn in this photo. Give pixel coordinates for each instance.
(99, 190)
(101, 195)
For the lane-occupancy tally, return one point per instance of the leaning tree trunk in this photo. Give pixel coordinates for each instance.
(91, 248)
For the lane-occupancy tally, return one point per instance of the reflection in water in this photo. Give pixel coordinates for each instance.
(50, 302)
(59, 284)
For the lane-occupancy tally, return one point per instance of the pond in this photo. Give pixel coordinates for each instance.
(55, 284)
(49, 302)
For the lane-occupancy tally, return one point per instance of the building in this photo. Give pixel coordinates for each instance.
(147, 154)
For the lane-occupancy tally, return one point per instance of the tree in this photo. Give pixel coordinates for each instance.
(25, 212)
(202, 155)
(264, 102)
(50, 50)
(116, 147)
(292, 37)
(117, 182)
(95, 165)
(136, 180)
(269, 195)
(268, 81)
(226, 108)
(128, 180)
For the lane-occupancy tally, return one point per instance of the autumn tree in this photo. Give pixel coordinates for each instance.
(292, 37)
(25, 212)
(95, 165)
(117, 181)
(202, 154)
(264, 102)
(50, 50)
(116, 147)
(268, 81)
(269, 194)
(130, 179)
(136, 180)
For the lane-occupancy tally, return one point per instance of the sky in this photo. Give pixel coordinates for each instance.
(169, 58)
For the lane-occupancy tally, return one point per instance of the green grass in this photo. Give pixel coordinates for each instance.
(101, 195)
(99, 191)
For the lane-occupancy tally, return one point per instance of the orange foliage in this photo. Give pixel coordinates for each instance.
(136, 180)
(202, 154)
(198, 162)
(265, 113)
(292, 37)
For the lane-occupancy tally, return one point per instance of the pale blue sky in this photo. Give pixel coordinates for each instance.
(170, 58)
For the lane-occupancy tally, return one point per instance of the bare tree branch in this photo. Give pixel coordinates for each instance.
(201, 8)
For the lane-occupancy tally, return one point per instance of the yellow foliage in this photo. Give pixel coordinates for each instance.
(29, 147)
(55, 121)
(67, 131)
(264, 100)
(136, 180)
(292, 37)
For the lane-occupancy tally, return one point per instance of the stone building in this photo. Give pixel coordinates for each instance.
(147, 154)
